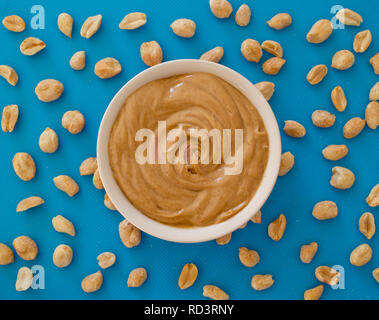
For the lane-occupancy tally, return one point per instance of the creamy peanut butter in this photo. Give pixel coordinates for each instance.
(187, 194)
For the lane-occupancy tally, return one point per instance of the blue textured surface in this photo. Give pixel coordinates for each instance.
(294, 194)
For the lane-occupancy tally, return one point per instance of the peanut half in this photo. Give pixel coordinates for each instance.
(129, 234)
(367, 225)
(107, 68)
(375, 274)
(243, 15)
(320, 31)
(361, 255)
(294, 129)
(24, 166)
(6, 255)
(29, 203)
(9, 74)
(188, 276)
(374, 92)
(215, 293)
(327, 275)
(261, 282)
(25, 247)
(31, 46)
(308, 251)
(339, 99)
(343, 60)
(317, 74)
(335, 152)
(353, 127)
(280, 21)
(342, 178)
(96, 180)
(137, 277)
(251, 50)
(257, 218)
(374, 61)
(9, 118)
(273, 65)
(222, 9)
(151, 53)
(249, 258)
(78, 60)
(133, 21)
(372, 115)
(323, 119)
(49, 90)
(266, 88)
(273, 48)
(373, 198)
(108, 203)
(325, 210)
(62, 256)
(362, 41)
(92, 282)
(314, 293)
(48, 141)
(88, 166)
(276, 228)
(63, 225)
(286, 164)
(106, 260)
(91, 26)
(213, 55)
(24, 279)
(65, 23)
(66, 184)
(14, 23)
(184, 28)
(224, 239)
(349, 17)
(73, 121)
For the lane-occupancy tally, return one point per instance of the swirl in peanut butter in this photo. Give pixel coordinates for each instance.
(187, 194)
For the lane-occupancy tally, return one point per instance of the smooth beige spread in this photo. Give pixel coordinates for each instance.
(187, 195)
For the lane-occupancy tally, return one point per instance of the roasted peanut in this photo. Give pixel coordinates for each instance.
(96, 180)
(49, 90)
(29, 203)
(66, 184)
(373, 198)
(375, 274)
(374, 92)
(266, 88)
(342, 178)
(25, 247)
(335, 152)
(184, 28)
(273, 48)
(362, 41)
(24, 279)
(108, 203)
(137, 277)
(62, 256)
(314, 293)
(221, 8)
(294, 129)
(63, 225)
(65, 23)
(276, 228)
(353, 127)
(327, 275)
(188, 276)
(224, 239)
(88, 166)
(243, 15)
(106, 260)
(133, 21)
(280, 21)
(9, 74)
(14, 23)
(6, 255)
(339, 99)
(273, 65)
(107, 68)
(73, 121)
(91, 26)
(308, 251)
(78, 60)
(361, 255)
(9, 118)
(257, 218)
(286, 164)
(92, 282)
(249, 258)
(129, 234)
(151, 53)
(213, 55)
(251, 50)
(374, 61)
(323, 119)
(320, 31)
(349, 17)
(24, 166)
(31, 46)
(367, 225)
(214, 293)
(261, 282)
(372, 115)
(325, 210)
(317, 74)
(343, 60)
(48, 141)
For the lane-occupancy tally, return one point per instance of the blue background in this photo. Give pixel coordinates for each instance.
(294, 194)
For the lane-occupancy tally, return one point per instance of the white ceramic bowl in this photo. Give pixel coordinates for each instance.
(196, 234)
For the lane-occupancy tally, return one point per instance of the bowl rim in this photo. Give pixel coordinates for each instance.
(195, 234)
